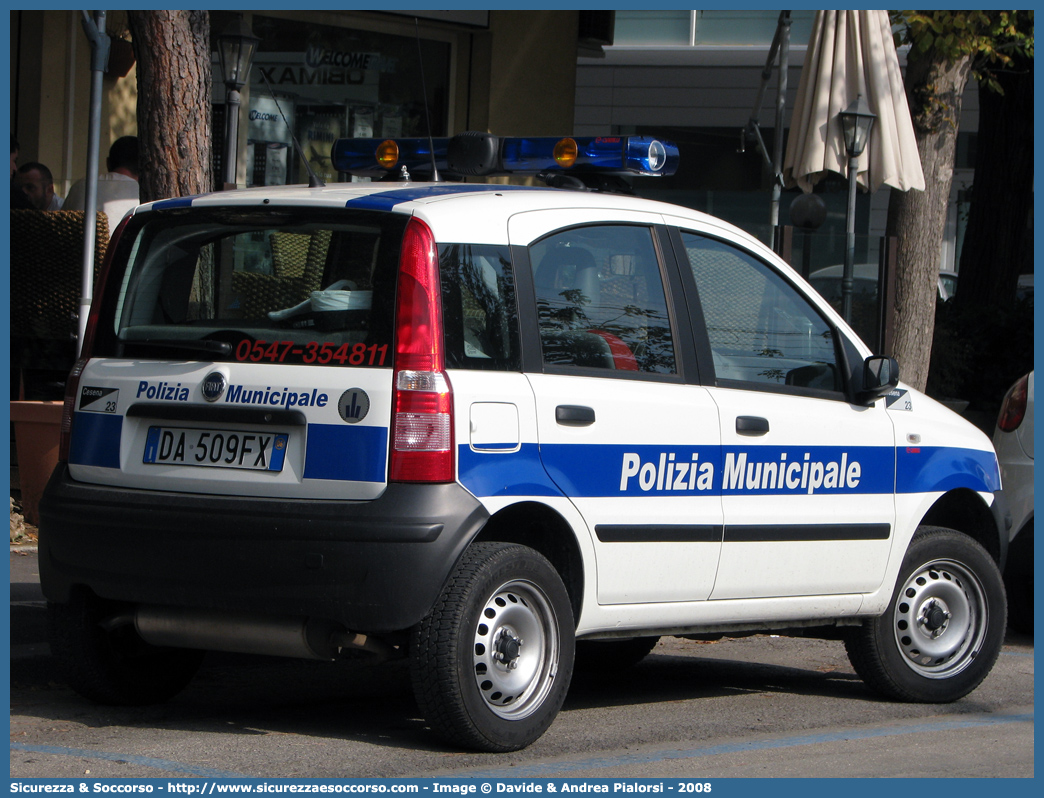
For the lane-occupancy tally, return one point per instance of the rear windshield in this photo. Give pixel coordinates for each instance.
(266, 286)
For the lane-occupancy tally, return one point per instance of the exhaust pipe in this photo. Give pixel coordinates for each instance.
(303, 638)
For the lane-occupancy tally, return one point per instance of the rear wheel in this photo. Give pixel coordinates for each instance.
(492, 662)
(944, 627)
(103, 658)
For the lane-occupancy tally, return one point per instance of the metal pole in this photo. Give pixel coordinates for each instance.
(846, 279)
(232, 103)
(95, 30)
(783, 32)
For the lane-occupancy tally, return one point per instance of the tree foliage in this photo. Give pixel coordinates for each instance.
(992, 39)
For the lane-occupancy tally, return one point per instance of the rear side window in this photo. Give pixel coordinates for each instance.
(600, 300)
(761, 330)
(479, 312)
(263, 286)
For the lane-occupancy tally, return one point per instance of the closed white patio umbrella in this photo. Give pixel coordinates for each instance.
(852, 53)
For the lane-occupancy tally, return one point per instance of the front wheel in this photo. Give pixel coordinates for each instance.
(944, 627)
(491, 663)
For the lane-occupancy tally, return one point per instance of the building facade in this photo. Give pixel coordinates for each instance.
(332, 74)
(693, 77)
(690, 76)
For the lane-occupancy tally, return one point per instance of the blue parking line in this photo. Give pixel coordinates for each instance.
(563, 769)
(144, 761)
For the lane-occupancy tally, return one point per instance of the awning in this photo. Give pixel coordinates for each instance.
(852, 53)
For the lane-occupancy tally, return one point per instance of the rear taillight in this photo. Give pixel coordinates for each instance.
(72, 384)
(1013, 408)
(422, 420)
(72, 388)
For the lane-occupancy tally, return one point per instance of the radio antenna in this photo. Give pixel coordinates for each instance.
(427, 119)
(314, 181)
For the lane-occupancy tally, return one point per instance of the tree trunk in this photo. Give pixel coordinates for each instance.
(918, 218)
(172, 49)
(996, 249)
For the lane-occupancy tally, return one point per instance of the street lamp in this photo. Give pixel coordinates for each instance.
(236, 47)
(856, 121)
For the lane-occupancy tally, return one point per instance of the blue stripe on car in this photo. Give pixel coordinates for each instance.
(928, 469)
(622, 470)
(387, 200)
(177, 202)
(494, 473)
(96, 439)
(346, 452)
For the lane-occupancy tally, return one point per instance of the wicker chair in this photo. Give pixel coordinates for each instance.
(298, 262)
(289, 253)
(46, 284)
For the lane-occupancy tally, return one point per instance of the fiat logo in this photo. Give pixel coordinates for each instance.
(214, 385)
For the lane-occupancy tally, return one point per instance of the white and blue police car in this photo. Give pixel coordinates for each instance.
(491, 427)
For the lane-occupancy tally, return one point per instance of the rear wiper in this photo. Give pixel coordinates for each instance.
(198, 345)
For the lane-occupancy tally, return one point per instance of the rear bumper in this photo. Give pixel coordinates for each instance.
(375, 566)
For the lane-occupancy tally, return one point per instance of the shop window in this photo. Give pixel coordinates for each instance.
(332, 83)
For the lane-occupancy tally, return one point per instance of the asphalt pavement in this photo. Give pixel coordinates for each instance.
(758, 706)
(28, 616)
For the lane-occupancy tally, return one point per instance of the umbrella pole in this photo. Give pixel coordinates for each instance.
(780, 45)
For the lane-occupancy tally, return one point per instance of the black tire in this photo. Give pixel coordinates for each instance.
(492, 662)
(612, 656)
(944, 627)
(1018, 579)
(108, 662)
(1020, 605)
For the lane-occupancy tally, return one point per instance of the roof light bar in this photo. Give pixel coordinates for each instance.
(483, 154)
(379, 157)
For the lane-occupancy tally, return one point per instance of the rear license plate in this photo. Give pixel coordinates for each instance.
(256, 451)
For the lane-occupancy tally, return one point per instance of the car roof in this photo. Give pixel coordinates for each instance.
(465, 213)
(441, 202)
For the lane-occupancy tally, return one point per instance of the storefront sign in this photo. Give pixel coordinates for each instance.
(345, 59)
(304, 76)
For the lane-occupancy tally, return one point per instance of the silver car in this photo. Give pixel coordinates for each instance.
(1013, 439)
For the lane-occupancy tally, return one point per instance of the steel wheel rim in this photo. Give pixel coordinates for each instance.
(940, 619)
(515, 653)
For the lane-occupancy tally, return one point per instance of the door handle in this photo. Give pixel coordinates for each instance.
(574, 415)
(751, 425)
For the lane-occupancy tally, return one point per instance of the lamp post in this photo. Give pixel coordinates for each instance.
(236, 47)
(856, 121)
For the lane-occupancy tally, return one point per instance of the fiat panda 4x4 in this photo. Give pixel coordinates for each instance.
(490, 428)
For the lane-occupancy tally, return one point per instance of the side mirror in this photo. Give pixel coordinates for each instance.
(880, 375)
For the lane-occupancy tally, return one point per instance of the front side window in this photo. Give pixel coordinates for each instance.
(600, 300)
(273, 286)
(760, 329)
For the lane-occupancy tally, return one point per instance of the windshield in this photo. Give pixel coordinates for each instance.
(276, 285)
